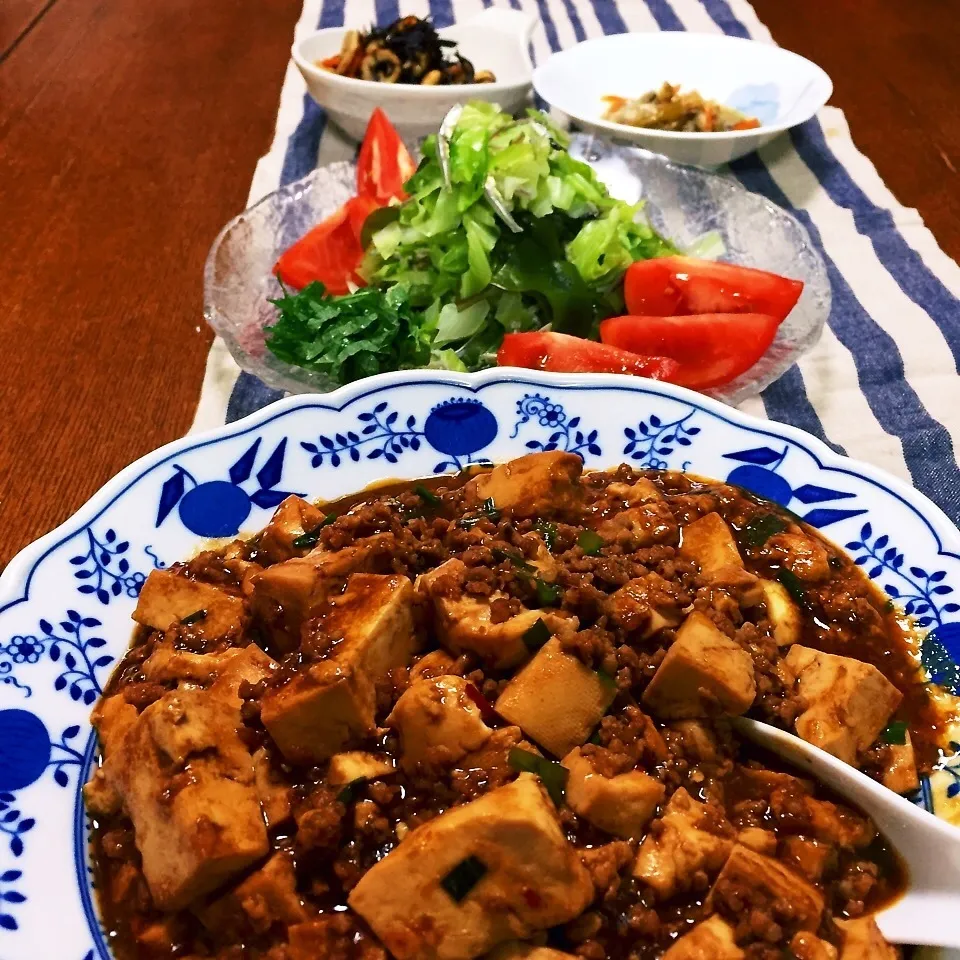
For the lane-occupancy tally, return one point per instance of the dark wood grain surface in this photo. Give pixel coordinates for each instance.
(129, 132)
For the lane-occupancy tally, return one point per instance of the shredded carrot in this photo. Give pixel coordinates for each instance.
(749, 124)
(709, 116)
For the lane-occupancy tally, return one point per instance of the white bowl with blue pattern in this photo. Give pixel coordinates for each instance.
(781, 89)
(66, 601)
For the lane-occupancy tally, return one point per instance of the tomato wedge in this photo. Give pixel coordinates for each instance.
(384, 164)
(670, 286)
(331, 252)
(562, 353)
(710, 349)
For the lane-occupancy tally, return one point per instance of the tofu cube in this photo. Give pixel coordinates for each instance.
(463, 622)
(515, 950)
(821, 819)
(710, 544)
(768, 881)
(758, 840)
(900, 774)
(267, 896)
(292, 519)
(436, 663)
(556, 700)
(862, 940)
(438, 723)
(784, 615)
(640, 526)
(193, 839)
(806, 946)
(531, 878)
(633, 494)
(845, 702)
(805, 557)
(321, 708)
(355, 765)
(704, 672)
(167, 596)
(807, 856)
(286, 594)
(646, 605)
(711, 939)
(537, 485)
(622, 805)
(679, 845)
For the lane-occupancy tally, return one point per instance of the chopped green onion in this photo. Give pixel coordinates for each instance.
(424, 494)
(548, 532)
(835, 563)
(311, 537)
(537, 635)
(488, 511)
(590, 542)
(595, 738)
(464, 877)
(793, 584)
(548, 594)
(515, 558)
(895, 733)
(349, 793)
(760, 529)
(552, 775)
(194, 617)
(888, 607)
(608, 680)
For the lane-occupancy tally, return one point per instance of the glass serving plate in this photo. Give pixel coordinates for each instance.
(683, 203)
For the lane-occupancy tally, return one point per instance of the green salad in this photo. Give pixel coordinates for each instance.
(503, 231)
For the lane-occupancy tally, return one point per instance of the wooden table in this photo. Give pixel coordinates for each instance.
(129, 131)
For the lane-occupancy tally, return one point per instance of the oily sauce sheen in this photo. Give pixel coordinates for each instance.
(296, 900)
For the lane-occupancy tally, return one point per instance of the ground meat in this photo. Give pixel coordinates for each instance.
(335, 833)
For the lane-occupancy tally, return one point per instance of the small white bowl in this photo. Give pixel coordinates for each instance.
(495, 39)
(778, 87)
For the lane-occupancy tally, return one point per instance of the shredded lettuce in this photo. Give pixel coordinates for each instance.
(452, 253)
(450, 274)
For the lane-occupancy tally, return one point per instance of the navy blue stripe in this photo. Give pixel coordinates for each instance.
(901, 261)
(927, 446)
(575, 22)
(608, 16)
(304, 142)
(663, 13)
(548, 25)
(441, 13)
(249, 394)
(301, 155)
(724, 18)
(386, 11)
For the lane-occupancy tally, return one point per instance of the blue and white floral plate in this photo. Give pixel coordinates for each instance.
(65, 601)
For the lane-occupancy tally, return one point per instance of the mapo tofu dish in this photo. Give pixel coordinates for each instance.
(490, 716)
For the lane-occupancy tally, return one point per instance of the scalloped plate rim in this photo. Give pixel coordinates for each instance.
(33, 553)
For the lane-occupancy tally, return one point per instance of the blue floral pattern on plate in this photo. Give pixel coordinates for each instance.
(65, 602)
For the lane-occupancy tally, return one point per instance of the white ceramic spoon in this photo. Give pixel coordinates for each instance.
(926, 914)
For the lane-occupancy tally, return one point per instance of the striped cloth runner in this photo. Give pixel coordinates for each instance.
(881, 385)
